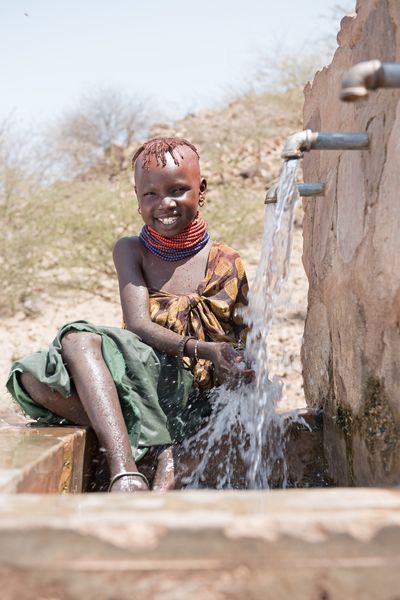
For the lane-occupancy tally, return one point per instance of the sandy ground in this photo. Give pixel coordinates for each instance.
(21, 335)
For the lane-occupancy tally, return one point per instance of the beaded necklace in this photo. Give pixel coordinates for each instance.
(187, 243)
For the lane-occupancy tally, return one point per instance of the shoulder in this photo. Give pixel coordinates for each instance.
(128, 246)
(128, 243)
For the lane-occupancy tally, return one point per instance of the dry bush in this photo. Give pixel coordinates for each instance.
(283, 70)
(53, 235)
(92, 216)
(286, 67)
(102, 120)
(19, 251)
(62, 237)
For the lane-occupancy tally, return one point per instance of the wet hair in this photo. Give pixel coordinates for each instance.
(158, 148)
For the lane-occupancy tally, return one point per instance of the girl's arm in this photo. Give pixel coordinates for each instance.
(134, 296)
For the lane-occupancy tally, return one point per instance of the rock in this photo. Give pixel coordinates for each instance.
(351, 350)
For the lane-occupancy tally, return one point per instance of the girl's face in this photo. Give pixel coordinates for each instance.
(169, 196)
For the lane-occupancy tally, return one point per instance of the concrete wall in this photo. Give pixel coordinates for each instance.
(330, 544)
(351, 351)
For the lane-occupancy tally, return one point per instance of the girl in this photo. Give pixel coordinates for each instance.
(146, 385)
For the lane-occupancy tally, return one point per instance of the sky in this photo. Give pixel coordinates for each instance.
(184, 54)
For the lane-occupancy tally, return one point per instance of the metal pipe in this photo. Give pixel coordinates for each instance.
(340, 141)
(305, 190)
(368, 75)
(311, 189)
(306, 140)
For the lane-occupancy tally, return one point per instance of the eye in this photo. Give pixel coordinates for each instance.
(149, 194)
(179, 191)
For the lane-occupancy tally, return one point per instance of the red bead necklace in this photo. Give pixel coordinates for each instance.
(187, 243)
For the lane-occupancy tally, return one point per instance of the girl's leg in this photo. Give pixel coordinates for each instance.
(98, 395)
(96, 403)
(69, 408)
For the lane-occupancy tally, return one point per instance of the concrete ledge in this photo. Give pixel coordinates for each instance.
(303, 544)
(41, 459)
(66, 459)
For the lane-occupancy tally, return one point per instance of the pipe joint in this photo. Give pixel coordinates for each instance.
(297, 144)
(359, 79)
(369, 75)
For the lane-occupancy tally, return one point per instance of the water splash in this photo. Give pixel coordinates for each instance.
(267, 448)
(242, 444)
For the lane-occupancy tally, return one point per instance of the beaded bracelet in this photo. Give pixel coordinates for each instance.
(181, 347)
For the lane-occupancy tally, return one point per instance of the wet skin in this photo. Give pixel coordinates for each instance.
(168, 200)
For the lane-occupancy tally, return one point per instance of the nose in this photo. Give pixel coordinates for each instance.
(168, 202)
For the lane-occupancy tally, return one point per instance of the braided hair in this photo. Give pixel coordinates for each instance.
(158, 148)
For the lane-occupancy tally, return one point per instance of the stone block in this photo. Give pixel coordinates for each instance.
(304, 544)
(41, 459)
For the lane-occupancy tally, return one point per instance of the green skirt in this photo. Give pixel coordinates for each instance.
(158, 401)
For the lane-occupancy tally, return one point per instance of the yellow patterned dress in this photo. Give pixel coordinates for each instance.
(213, 313)
(162, 401)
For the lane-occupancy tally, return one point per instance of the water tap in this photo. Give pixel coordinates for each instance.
(304, 189)
(304, 141)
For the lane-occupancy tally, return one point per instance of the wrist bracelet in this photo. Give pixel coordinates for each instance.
(196, 356)
(181, 347)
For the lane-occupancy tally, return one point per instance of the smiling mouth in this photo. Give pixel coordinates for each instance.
(168, 220)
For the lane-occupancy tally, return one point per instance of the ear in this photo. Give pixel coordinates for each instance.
(203, 187)
(203, 191)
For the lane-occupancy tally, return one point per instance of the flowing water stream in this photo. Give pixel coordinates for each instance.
(243, 442)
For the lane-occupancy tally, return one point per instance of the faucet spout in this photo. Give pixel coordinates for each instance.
(309, 190)
(296, 144)
(368, 75)
(304, 189)
(304, 141)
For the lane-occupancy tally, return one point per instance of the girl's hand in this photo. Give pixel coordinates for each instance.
(230, 366)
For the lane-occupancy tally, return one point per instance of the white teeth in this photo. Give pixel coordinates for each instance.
(168, 220)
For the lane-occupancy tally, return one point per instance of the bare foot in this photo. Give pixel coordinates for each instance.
(164, 478)
(130, 483)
